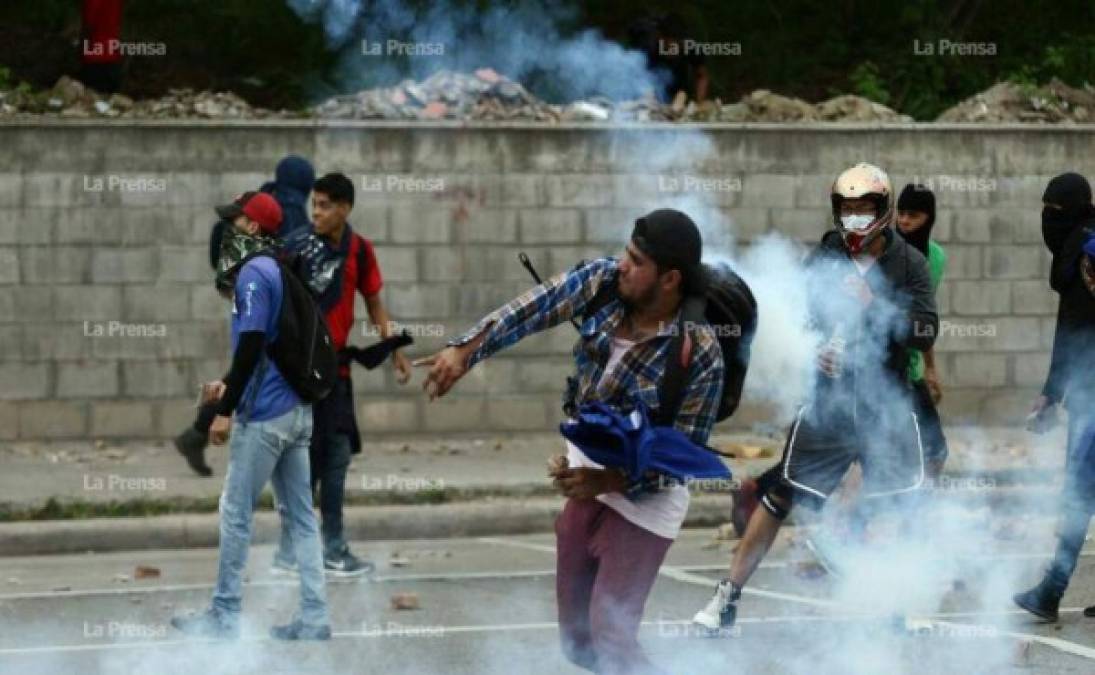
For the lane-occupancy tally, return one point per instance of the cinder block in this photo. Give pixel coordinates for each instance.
(388, 414)
(1030, 370)
(453, 414)
(125, 419)
(156, 379)
(980, 297)
(971, 226)
(524, 413)
(397, 263)
(21, 381)
(421, 224)
(55, 265)
(11, 189)
(185, 264)
(543, 226)
(610, 226)
(812, 192)
(963, 262)
(123, 266)
(87, 379)
(442, 264)
(9, 266)
(418, 301)
(174, 415)
(1013, 262)
(979, 370)
(11, 341)
(579, 190)
(9, 421)
(205, 303)
(750, 223)
(1033, 297)
(806, 225)
(491, 226)
(523, 190)
(546, 375)
(86, 303)
(500, 263)
(768, 190)
(52, 420)
(48, 341)
(496, 375)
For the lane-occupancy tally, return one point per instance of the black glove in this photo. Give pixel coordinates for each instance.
(374, 355)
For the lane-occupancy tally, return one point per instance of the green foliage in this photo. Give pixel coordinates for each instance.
(867, 82)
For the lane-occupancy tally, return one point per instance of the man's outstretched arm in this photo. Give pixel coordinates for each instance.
(556, 300)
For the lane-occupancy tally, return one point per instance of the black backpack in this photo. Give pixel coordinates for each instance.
(303, 351)
(728, 308)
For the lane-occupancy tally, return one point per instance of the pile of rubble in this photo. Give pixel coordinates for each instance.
(71, 98)
(1054, 103)
(487, 96)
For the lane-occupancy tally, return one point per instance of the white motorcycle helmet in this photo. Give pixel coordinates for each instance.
(862, 181)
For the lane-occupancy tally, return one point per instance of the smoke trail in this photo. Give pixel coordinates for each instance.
(528, 42)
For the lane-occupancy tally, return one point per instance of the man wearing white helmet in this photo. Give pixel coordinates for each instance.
(870, 299)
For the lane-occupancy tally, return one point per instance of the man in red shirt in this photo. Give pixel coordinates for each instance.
(336, 261)
(100, 55)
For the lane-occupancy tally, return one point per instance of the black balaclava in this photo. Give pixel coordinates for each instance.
(1072, 193)
(918, 198)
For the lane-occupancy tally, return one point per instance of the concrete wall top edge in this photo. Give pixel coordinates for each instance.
(812, 127)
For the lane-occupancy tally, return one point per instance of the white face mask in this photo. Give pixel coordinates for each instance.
(856, 223)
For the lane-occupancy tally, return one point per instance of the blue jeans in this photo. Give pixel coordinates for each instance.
(273, 450)
(330, 479)
(1078, 504)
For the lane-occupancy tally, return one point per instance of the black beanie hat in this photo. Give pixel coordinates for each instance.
(916, 197)
(672, 240)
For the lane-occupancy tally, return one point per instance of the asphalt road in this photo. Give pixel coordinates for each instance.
(487, 606)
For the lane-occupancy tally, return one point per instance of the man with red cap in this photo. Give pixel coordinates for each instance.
(272, 435)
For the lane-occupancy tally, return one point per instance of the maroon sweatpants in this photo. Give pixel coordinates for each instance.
(606, 567)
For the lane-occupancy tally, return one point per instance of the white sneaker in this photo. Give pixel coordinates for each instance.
(721, 612)
(282, 568)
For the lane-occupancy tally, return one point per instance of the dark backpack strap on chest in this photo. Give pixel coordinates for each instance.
(678, 361)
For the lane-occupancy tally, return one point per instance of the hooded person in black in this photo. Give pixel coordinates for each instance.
(1068, 224)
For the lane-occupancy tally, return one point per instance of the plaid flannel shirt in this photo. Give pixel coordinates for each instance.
(565, 296)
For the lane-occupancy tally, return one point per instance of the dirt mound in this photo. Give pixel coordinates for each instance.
(1054, 103)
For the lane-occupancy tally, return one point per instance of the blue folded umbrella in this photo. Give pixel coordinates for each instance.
(629, 441)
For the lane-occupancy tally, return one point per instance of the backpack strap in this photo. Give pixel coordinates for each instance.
(671, 387)
(606, 293)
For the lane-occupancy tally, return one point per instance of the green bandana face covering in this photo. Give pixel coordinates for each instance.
(236, 246)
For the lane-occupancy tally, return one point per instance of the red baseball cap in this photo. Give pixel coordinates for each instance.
(258, 206)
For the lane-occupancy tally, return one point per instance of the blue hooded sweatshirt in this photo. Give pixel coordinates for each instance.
(293, 180)
(628, 441)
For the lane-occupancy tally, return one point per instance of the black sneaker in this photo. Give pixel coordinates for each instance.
(721, 611)
(1040, 601)
(345, 564)
(207, 624)
(191, 445)
(1089, 612)
(298, 630)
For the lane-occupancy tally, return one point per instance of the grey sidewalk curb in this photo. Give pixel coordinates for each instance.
(489, 517)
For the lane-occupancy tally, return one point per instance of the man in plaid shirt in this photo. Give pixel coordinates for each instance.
(612, 535)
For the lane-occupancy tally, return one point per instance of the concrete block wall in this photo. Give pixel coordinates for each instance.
(108, 318)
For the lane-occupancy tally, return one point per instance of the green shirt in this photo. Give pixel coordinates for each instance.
(937, 263)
